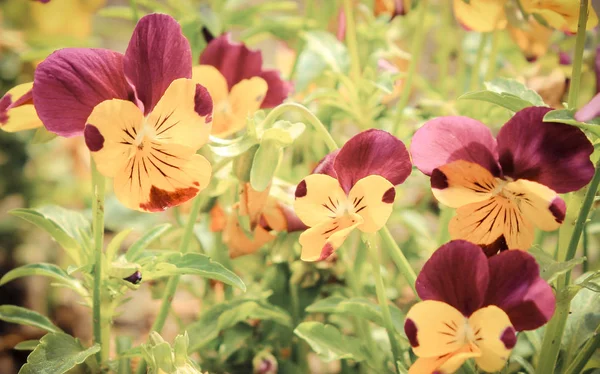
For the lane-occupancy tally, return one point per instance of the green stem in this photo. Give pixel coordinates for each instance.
(399, 259)
(134, 10)
(578, 58)
(312, 119)
(383, 301)
(173, 282)
(445, 48)
(98, 190)
(475, 69)
(491, 71)
(415, 53)
(351, 40)
(585, 353)
(553, 335)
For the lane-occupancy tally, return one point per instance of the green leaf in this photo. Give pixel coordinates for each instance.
(190, 263)
(46, 270)
(235, 149)
(24, 316)
(357, 307)
(42, 135)
(57, 353)
(113, 247)
(264, 165)
(567, 116)
(549, 267)
(512, 87)
(329, 343)
(582, 321)
(508, 101)
(134, 252)
(26, 345)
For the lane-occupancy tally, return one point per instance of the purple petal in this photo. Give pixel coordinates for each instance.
(516, 287)
(157, 54)
(71, 82)
(278, 90)
(293, 222)
(234, 60)
(446, 139)
(553, 154)
(325, 166)
(597, 69)
(590, 110)
(372, 152)
(457, 274)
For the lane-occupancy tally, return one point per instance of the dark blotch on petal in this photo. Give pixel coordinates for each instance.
(301, 189)
(161, 199)
(558, 209)
(411, 332)
(509, 338)
(326, 252)
(134, 278)
(438, 179)
(389, 196)
(93, 138)
(203, 104)
(496, 246)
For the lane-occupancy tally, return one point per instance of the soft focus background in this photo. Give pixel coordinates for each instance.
(35, 171)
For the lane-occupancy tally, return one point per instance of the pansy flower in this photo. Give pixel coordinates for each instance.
(237, 82)
(481, 15)
(532, 38)
(505, 186)
(352, 188)
(472, 307)
(17, 112)
(142, 116)
(561, 15)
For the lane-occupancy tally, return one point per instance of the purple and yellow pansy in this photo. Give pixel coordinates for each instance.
(17, 112)
(142, 116)
(503, 187)
(237, 82)
(472, 307)
(352, 188)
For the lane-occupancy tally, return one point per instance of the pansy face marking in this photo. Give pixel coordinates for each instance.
(350, 189)
(502, 188)
(472, 307)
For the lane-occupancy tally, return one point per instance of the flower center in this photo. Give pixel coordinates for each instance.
(146, 131)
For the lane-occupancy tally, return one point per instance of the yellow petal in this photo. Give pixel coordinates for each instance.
(494, 335)
(537, 204)
(434, 329)
(175, 120)
(19, 118)
(560, 14)
(460, 183)
(481, 15)
(213, 80)
(238, 242)
(320, 241)
(533, 39)
(445, 364)
(372, 198)
(253, 202)
(492, 223)
(246, 97)
(318, 197)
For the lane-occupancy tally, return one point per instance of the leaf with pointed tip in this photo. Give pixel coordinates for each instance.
(329, 343)
(133, 253)
(24, 316)
(46, 270)
(26, 345)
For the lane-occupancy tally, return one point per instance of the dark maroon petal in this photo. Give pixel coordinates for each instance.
(553, 154)
(5, 103)
(234, 60)
(157, 54)
(516, 287)
(558, 208)
(446, 139)
(372, 152)
(590, 110)
(456, 274)
(278, 89)
(93, 138)
(301, 189)
(71, 82)
(293, 222)
(325, 166)
(597, 69)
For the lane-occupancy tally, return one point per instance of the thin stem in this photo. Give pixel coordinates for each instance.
(351, 40)
(314, 121)
(445, 48)
(383, 301)
(415, 53)
(491, 70)
(173, 282)
(98, 190)
(398, 257)
(475, 69)
(134, 10)
(578, 58)
(585, 353)
(553, 335)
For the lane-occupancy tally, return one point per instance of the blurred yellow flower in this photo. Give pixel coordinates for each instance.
(481, 15)
(562, 15)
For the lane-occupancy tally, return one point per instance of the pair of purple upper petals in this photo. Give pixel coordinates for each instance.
(371, 152)
(553, 154)
(459, 274)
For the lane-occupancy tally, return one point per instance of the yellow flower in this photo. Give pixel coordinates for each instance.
(16, 109)
(481, 15)
(560, 14)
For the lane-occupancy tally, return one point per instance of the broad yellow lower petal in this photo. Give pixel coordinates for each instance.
(481, 15)
(496, 224)
(318, 199)
(539, 204)
(180, 116)
(247, 96)
(373, 199)
(16, 109)
(320, 241)
(446, 364)
(435, 329)
(494, 335)
(460, 183)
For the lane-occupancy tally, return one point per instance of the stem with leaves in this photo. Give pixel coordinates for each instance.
(98, 191)
(578, 57)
